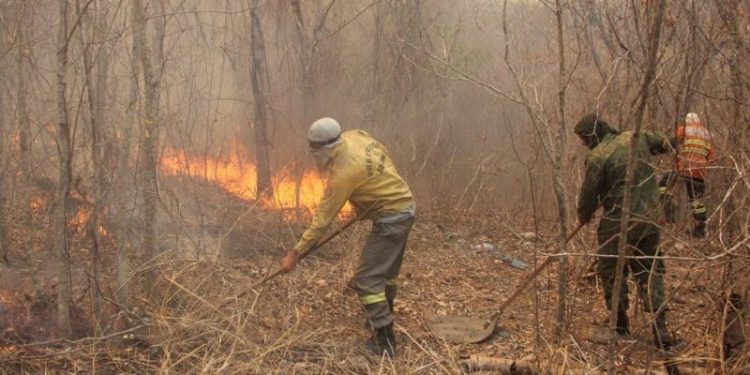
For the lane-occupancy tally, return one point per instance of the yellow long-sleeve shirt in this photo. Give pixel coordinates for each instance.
(362, 172)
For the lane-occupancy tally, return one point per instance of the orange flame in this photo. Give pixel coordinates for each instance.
(37, 204)
(311, 190)
(238, 176)
(235, 174)
(4, 350)
(6, 298)
(80, 220)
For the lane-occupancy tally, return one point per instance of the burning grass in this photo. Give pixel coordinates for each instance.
(238, 175)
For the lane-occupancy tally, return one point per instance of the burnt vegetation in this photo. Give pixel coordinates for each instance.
(153, 166)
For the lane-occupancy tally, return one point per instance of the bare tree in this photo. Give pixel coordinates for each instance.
(104, 132)
(561, 191)
(733, 334)
(305, 56)
(261, 84)
(24, 124)
(3, 164)
(149, 132)
(5, 110)
(85, 34)
(122, 186)
(623, 251)
(65, 153)
(377, 48)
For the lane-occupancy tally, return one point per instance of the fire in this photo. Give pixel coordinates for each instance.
(80, 220)
(238, 175)
(311, 190)
(4, 350)
(234, 174)
(6, 298)
(37, 204)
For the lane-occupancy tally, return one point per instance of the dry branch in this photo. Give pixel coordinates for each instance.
(503, 365)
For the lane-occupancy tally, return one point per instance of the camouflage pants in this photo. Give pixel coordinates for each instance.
(643, 240)
(379, 267)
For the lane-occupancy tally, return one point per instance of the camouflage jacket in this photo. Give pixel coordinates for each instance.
(604, 181)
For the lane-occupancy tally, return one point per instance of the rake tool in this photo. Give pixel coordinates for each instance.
(467, 330)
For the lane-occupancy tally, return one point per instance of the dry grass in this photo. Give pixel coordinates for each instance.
(309, 322)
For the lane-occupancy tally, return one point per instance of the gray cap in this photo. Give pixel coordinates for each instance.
(324, 130)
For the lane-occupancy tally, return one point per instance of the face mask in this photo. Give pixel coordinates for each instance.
(322, 159)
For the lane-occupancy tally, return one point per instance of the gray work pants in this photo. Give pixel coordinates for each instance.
(379, 266)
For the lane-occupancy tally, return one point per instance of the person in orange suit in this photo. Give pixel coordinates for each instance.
(695, 152)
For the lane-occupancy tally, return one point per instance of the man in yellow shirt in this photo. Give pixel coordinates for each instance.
(361, 171)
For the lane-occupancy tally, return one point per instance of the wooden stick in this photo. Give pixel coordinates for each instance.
(529, 278)
(305, 253)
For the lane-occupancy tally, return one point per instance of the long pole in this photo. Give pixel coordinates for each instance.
(307, 252)
(529, 278)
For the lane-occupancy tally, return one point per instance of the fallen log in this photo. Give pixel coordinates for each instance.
(501, 365)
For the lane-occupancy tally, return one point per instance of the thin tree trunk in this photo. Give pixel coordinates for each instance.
(24, 124)
(4, 123)
(103, 147)
(122, 211)
(60, 233)
(305, 58)
(728, 10)
(695, 67)
(260, 84)
(93, 221)
(307, 90)
(374, 94)
(3, 187)
(733, 328)
(560, 189)
(160, 26)
(23, 48)
(149, 134)
(623, 251)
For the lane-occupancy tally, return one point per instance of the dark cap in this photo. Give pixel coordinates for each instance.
(592, 129)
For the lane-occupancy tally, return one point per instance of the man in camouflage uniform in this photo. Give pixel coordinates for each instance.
(603, 185)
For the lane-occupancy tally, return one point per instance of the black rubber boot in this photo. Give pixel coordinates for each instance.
(623, 326)
(669, 209)
(664, 341)
(699, 231)
(734, 336)
(383, 341)
(662, 338)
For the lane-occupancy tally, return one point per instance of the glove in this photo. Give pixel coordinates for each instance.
(289, 262)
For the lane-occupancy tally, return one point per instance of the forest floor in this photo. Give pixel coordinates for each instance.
(310, 322)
